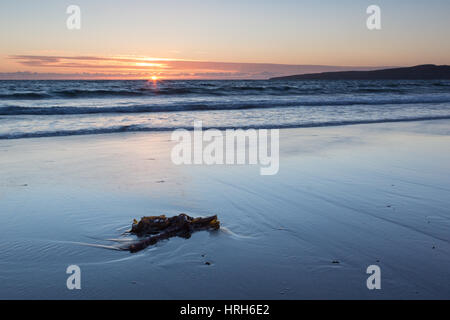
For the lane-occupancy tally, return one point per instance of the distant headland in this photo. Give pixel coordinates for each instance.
(421, 72)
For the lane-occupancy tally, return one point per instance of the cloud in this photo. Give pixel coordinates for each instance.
(27, 75)
(95, 67)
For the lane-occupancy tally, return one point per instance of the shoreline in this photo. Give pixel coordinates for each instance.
(129, 129)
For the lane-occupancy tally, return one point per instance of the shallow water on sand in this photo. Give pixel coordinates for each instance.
(354, 195)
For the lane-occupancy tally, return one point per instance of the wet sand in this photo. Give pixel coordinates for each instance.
(344, 198)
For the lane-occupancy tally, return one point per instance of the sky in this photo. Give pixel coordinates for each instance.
(206, 39)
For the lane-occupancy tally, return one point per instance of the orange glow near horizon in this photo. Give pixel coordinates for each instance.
(145, 67)
(146, 64)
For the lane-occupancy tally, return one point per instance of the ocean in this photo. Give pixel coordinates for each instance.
(31, 109)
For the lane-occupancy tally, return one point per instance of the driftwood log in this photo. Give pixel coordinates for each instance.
(157, 228)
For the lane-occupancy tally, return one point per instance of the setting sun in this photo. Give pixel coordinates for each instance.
(154, 78)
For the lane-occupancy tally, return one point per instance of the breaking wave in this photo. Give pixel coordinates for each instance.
(216, 105)
(143, 128)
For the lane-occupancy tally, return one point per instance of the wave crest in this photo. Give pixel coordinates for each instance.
(139, 128)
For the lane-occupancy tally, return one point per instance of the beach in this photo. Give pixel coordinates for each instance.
(345, 198)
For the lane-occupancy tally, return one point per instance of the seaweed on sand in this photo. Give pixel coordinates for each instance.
(157, 228)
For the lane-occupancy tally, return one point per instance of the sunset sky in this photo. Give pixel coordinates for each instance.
(216, 39)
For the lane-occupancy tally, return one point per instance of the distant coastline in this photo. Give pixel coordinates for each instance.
(420, 72)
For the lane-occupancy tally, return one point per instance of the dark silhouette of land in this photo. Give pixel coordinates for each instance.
(422, 72)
